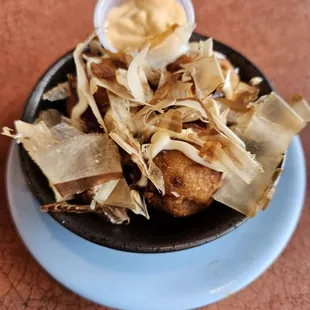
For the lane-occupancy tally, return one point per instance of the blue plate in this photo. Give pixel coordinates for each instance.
(178, 280)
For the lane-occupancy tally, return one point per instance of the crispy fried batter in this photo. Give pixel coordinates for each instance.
(188, 185)
(106, 69)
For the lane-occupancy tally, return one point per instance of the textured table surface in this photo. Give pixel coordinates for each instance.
(33, 34)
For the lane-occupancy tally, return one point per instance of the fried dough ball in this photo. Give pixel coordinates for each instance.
(188, 185)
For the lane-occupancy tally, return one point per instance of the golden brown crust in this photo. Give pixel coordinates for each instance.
(105, 69)
(188, 185)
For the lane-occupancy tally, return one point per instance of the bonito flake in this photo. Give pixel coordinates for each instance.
(166, 95)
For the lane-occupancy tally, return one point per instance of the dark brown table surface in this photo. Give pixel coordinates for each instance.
(274, 34)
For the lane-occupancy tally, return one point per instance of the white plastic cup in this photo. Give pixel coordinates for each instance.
(103, 8)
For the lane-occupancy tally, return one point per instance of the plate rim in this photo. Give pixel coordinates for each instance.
(273, 253)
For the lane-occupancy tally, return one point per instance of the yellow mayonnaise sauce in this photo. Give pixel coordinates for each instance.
(134, 21)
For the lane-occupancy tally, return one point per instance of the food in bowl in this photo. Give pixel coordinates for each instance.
(170, 126)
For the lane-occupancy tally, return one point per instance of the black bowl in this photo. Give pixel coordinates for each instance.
(161, 233)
